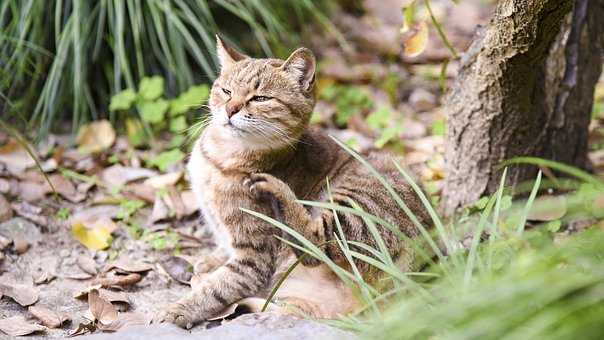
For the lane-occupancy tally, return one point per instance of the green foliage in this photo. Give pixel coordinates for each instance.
(165, 159)
(348, 100)
(65, 58)
(517, 285)
(386, 125)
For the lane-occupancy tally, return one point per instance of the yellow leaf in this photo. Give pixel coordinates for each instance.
(97, 238)
(96, 136)
(416, 39)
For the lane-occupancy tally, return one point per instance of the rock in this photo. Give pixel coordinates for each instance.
(20, 228)
(260, 326)
(422, 100)
(6, 212)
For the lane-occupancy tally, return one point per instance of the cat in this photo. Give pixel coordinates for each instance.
(259, 153)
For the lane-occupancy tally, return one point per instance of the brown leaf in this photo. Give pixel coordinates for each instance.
(44, 277)
(18, 326)
(20, 244)
(78, 276)
(174, 201)
(49, 318)
(126, 320)
(87, 264)
(82, 329)
(141, 191)
(66, 189)
(15, 157)
(109, 295)
(162, 181)
(102, 310)
(119, 280)
(118, 175)
(416, 39)
(31, 191)
(128, 265)
(22, 294)
(6, 212)
(30, 212)
(96, 136)
(548, 208)
(178, 268)
(160, 211)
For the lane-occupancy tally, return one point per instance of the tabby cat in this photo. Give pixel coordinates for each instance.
(259, 153)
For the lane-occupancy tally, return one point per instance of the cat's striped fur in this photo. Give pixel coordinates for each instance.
(258, 153)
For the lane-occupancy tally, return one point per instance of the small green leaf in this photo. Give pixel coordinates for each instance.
(189, 100)
(153, 112)
(387, 135)
(178, 124)
(438, 128)
(481, 203)
(379, 119)
(553, 226)
(506, 202)
(177, 141)
(122, 100)
(165, 159)
(151, 88)
(135, 132)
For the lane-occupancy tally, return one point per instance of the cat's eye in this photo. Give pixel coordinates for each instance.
(260, 98)
(227, 92)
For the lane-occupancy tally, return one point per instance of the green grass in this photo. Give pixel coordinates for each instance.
(63, 59)
(520, 284)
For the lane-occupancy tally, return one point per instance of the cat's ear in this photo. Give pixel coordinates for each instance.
(301, 64)
(226, 54)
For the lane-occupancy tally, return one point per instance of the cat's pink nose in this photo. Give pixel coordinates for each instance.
(233, 108)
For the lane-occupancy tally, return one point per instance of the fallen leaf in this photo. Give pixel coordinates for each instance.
(44, 277)
(31, 191)
(87, 264)
(162, 181)
(548, 208)
(6, 211)
(30, 212)
(82, 329)
(96, 136)
(4, 242)
(22, 294)
(124, 320)
(160, 211)
(98, 238)
(90, 215)
(118, 175)
(178, 268)
(66, 189)
(415, 39)
(174, 201)
(118, 280)
(49, 318)
(84, 292)
(128, 265)
(189, 201)
(18, 326)
(15, 157)
(140, 191)
(20, 244)
(102, 310)
(78, 276)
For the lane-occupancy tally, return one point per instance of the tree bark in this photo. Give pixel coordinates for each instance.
(525, 88)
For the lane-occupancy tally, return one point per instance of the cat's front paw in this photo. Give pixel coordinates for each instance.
(267, 187)
(179, 315)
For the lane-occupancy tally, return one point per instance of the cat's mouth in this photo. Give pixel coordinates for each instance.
(229, 124)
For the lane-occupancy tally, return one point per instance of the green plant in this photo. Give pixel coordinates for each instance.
(519, 284)
(348, 100)
(63, 59)
(154, 111)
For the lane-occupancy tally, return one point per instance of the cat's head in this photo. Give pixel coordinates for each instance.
(264, 103)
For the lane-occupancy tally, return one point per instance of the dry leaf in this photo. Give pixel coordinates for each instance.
(84, 292)
(128, 265)
(15, 157)
(415, 39)
(78, 276)
(87, 264)
(174, 201)
(44, 277)
(96, 136)
(162, 181)
(108, 295)
(49, 318)
(66, 189)
(118, 175)
(119, 280)
(141, 191)
(160, 211)
(97, 238)
(126, 320)
(18, 326)
(31, 191)
(548, 208)
(102, 310)
(6, 212)
(178, 268)
(20, 244)
(30, 212)
(22, 294)
(82, 329)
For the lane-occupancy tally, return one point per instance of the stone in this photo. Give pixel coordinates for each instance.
(422, 100)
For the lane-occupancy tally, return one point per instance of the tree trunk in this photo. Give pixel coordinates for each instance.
(525, 88)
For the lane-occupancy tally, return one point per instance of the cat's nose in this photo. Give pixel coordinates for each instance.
(233, 108)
